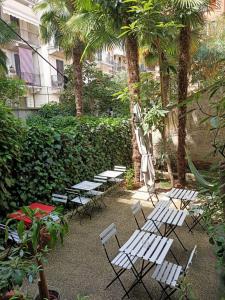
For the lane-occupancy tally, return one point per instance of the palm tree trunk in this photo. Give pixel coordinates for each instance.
(184, 62)
(131, 47)
(164, 83)
(78, 79)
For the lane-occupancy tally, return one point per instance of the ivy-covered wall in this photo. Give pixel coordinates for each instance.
(55, 153)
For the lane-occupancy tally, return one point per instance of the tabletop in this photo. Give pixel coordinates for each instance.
(19, 215)
(110, 174)
(168, 215)
(86, 185)
(148, 246)
(182, 194)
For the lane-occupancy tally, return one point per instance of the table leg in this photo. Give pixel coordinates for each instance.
(172, 229)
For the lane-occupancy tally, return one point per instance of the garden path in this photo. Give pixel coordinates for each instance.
(80, 265)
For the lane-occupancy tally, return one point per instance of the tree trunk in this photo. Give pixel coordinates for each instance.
(184, 62)
(78, 79)
(42, 284)
(164, 83)
(222, 185)
(131, 47)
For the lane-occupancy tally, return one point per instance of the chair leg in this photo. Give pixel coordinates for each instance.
(150, 198)
(171, 199)
(118, 277)
(164, 291)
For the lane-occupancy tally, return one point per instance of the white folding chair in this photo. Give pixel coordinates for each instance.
(122, 262)
(61, 199)
(98, 194)
(12, 234)
(120, 168)
(170, 275)
(152, 192)
(149, 225)
(80, 203)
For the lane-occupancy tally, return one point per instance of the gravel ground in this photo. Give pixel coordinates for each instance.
(80, 265)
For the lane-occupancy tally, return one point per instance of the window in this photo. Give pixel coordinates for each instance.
(16, 22)
(17, 64)
(60, 70)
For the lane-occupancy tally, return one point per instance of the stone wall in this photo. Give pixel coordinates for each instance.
(199, 135)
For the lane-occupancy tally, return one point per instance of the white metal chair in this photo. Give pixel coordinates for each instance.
(122, 262)
(79, 202)
(196, 212)
(170, 275)
(120, 168)
(12, 234)
(98, 194)
(149, 225)
(61, 199)
(118, 179)
(152, 192)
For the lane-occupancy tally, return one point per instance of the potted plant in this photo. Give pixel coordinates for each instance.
(38, 240)
(13, 271)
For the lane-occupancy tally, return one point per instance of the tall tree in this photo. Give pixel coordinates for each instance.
(102, 21)
(6, 36)
(191, 15)
(155, 30)
(54, 15)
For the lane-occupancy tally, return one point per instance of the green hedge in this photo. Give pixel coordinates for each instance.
(61, 151)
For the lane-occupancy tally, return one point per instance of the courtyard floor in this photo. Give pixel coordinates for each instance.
(79, 267)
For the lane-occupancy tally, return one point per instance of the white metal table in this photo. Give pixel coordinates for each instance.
(110, 174)
(151, 248)
(184, 195)
(170, 217)
(86, 185)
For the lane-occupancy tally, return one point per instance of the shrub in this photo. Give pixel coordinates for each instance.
(51, 155)
(129, 179)
(12, 90)
(11, 134)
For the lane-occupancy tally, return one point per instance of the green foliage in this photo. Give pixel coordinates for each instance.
(11, 90)
(13, 272)
(36, 242)
(154, 117)
(185, 291)
(6, 36)
(56, 109)
(11, 135)
(129, 179)
(98, 92)
(53, 153)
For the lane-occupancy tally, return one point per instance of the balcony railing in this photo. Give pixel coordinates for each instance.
(28, 36)
(31, 37)
(31, 79)
(57, 81)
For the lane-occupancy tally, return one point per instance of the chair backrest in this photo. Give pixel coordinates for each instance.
(109, 232)
(189, 262)
(101, 179)
(59, 198)
(12, 234)
(120, 168)
(151, 188)
(136, 207)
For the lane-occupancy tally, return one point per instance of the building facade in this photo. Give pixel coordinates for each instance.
(43, 82)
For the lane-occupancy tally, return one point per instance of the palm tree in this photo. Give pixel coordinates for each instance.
(6, 36)
(191, 14)
(154, 41)
(54, 15)
(102, 21)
